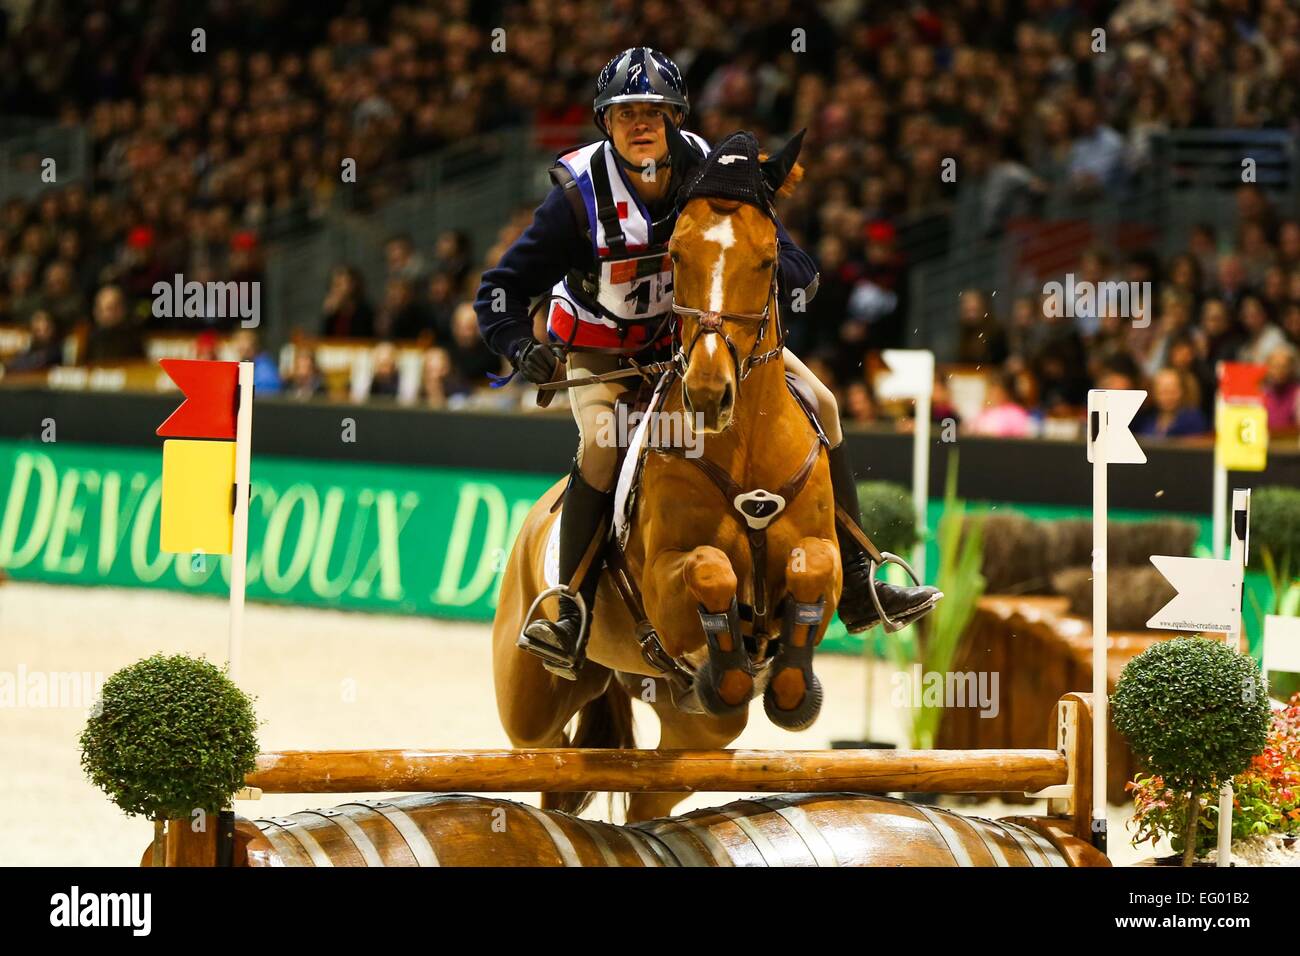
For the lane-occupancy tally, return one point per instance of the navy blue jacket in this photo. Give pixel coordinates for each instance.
(553, 244)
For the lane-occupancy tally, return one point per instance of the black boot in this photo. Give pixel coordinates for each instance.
(584, 519)
(901, 605)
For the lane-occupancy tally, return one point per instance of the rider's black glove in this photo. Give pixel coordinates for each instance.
(536, 362)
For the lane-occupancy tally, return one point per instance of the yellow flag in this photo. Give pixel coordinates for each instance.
(1241, 436)
(197, 478)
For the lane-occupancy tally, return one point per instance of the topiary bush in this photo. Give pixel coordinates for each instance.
(1194, 712)
(888, 516)
(170, 735)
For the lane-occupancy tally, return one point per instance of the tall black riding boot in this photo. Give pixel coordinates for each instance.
(584, 523)
(902, 605)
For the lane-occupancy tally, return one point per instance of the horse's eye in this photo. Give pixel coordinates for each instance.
(766, 264)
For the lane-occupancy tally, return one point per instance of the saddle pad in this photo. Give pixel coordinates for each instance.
(630, 474)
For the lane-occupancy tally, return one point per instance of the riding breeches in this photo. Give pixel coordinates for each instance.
(593, 409)
(828, 410)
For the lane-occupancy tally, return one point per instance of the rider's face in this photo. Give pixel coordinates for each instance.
(638, 131)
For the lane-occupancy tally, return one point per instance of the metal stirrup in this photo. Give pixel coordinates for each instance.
(872, 566)
(563, 591)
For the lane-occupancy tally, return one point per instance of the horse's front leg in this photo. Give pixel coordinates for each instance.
(793, 698)
(692, 592)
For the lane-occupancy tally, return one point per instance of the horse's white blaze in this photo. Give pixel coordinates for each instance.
(721, 233)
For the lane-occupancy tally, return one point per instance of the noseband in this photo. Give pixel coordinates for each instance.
(712, 323)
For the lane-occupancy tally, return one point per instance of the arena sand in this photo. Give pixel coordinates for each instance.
(322, 679)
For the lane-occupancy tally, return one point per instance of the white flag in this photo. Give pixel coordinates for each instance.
(1119, 406)
(1281, 644)
(910, 375)
(1209, 594)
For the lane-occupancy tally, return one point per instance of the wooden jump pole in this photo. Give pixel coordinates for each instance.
(657, 771)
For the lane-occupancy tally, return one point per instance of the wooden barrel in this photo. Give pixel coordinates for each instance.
(832, 829)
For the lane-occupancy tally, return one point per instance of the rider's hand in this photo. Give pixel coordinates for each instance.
(536, 362)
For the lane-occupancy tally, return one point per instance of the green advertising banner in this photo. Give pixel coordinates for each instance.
(367, 537)
(405, 540)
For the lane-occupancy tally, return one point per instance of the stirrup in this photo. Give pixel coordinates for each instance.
(553, 661)
(889, 623)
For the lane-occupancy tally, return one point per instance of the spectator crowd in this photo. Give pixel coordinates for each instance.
(199, 158)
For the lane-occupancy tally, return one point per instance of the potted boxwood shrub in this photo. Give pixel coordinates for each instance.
(1194, 711)
(170, 736)
(1266, 801)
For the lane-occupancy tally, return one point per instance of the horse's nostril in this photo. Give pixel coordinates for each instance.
(726, 396)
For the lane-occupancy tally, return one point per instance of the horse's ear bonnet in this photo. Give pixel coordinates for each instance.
(733, 171)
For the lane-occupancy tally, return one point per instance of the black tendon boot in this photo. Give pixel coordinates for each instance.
(584, 523)
(902, 605)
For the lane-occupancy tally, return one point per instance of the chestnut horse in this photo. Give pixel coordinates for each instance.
(693, 546)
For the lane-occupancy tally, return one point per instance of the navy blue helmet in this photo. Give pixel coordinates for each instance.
(639, 75)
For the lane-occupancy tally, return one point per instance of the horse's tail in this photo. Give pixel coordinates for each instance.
(604, 721)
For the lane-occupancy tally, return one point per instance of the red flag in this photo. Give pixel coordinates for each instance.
(209, 407)
(1241, 380)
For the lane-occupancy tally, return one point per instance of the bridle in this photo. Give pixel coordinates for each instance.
(712, 323)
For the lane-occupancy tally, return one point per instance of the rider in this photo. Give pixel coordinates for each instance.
(597, 245)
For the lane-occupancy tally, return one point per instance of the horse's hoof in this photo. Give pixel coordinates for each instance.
(708, 688)
(802, 716)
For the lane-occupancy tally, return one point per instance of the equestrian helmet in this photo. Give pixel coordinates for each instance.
(639, 75)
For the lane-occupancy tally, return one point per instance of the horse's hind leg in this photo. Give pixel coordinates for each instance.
(535, 705)
(793, 698)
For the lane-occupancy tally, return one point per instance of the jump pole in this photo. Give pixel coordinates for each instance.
(563, 770)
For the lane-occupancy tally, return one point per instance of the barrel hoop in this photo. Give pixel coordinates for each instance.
(354, 833)
(563, 845)
(299, 832)
(770, 854)
(812, 836)
(947, 833)
(410, 831)
(290, 850)
(690, 845)
(1050, 855)
(640, 840)
(981, 829)
(599, 838)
